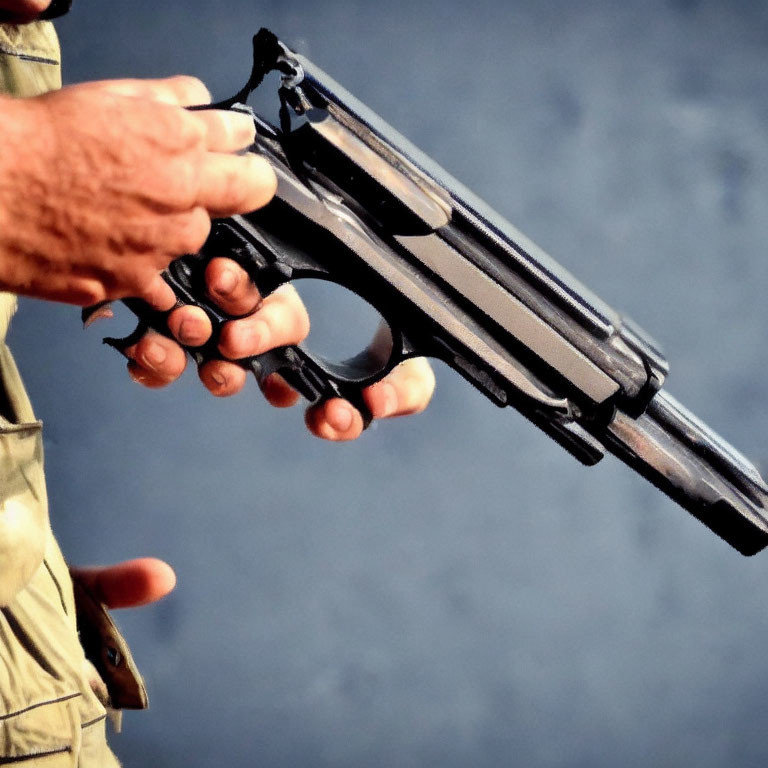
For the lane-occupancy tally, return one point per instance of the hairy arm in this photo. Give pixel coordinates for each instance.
(102, 185)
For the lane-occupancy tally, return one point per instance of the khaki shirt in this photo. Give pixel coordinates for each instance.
(52, 700)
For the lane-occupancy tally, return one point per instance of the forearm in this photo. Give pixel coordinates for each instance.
(24, 181)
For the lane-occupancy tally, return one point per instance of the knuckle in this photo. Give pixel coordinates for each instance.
(160, 295)
(171, 127)
(133, 279)
(271, 324)
(246, 337)
(292, 308)
(229, 343)
(193, 229)
(140, 280)
(263, 180)
(190, 90)
(193, 131)
(180, 186)
(419, 389)
(243, 183)
(233, 189)
(89, 292)
(230, 130)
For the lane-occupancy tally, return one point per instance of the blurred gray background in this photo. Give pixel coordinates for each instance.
(452, 590)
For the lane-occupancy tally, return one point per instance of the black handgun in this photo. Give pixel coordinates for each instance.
(357, 204)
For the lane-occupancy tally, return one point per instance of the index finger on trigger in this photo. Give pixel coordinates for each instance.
(226, 131)
(181, 90)
(231, 288)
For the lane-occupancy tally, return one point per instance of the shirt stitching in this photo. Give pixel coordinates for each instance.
(28, 755)
(39, 704)
(28, 56)
(94, 721)
(57, 585)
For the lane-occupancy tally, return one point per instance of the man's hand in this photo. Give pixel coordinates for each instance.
(277, 320)
(128, 584)
(103, 184)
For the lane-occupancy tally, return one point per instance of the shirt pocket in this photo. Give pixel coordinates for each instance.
(43, 702)
(48, 729)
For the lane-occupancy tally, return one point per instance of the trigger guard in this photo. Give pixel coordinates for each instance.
(128, 341)
(307, 375)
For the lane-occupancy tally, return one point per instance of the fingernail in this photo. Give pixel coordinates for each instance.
(154, 355)
(220, 380)
(139, 375)
(226, 282)
(340, 418)
(186, 332)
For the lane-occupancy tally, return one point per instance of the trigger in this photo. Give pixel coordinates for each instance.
(304, 374)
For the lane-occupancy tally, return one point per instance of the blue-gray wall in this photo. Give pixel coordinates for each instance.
(453, 590)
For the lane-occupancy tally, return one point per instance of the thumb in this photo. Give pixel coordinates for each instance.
(128, 584)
